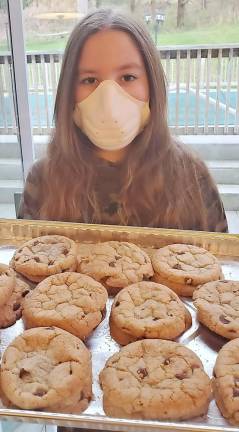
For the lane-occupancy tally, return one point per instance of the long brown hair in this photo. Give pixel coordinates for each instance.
(160, 184)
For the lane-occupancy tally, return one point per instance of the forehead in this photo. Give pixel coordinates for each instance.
(109, 47)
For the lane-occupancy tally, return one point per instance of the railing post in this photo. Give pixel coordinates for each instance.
(209, 58)
(187, 102)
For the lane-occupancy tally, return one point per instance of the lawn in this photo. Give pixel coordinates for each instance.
(226, 33)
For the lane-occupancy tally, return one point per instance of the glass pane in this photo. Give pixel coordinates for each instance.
(11, 173)
(202, 101)
(47, 26)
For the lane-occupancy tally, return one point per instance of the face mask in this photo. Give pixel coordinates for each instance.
(110, 117)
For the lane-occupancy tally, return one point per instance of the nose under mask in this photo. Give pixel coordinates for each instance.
(110, 117)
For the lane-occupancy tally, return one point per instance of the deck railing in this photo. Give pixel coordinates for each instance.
(203, 89)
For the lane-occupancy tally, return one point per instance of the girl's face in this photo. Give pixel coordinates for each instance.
(111, 55)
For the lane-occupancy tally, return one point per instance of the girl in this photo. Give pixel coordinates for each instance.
(111, 159)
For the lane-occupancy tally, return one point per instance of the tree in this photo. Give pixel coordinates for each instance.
(132, 5)
(181, 12)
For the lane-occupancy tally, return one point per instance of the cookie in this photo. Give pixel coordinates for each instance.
(115, 264)
(45, 256)
(226, 381)
(71, 301)
(217, 306)
(147, 310)
(184, 267)
(155, 379)
(47, 368)
(11, 311)
(7, 278)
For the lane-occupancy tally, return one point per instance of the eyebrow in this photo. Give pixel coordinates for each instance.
(121, 68)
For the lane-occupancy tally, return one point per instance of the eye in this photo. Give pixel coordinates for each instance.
(128, 78)
(89, 80)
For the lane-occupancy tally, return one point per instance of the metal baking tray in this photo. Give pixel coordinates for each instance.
(203, 342)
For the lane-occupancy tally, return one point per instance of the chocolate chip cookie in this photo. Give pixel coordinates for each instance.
(226, 381)
(184, 267)
(71, 301)
(147, 310)
(47, 368)
(11, 310)
(217, 304)
(152, 379)
(115, 264)
(45, 256)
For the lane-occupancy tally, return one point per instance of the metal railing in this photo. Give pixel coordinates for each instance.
(203, 89)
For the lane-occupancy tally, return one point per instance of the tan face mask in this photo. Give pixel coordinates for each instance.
(110, 117)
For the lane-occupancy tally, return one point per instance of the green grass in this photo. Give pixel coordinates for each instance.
(47, 45)
(42, 45)
(226, 33)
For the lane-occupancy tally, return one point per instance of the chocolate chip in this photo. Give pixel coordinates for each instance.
(223, 319)
(112, 264)
(236, 392)
(104, 280)
(70, 370)
(51, 262)
(117, 304)
(26, 259)
(155, 319)
(117, 257)
(146, 278)
(65, 251)
(25, 293)
(40, 392)
(103, 313)
(177, 266)
(180, 253)
(181, 375)
(37, 259)
(23, 373)
(142, 372)
(16, 306)
(188, 281)
(166, 362)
